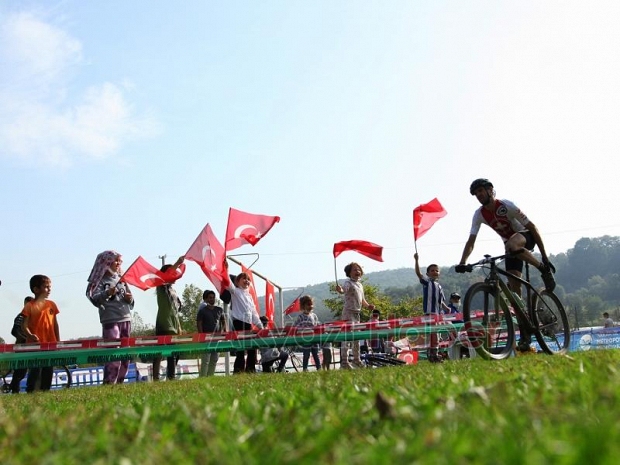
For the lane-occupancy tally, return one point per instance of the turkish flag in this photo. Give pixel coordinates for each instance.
(294, 307)
(209, 253)
(368, 249)
(143, 275)
(425, 216)
(270, 304)
(246, 228)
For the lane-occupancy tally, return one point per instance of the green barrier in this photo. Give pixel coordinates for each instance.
(15, 360)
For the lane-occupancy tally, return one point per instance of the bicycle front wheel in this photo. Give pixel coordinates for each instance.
(551, 322)
(295, 362)
(488, 323)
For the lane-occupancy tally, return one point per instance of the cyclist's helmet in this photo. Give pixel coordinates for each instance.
(455, 295)
(480, 182)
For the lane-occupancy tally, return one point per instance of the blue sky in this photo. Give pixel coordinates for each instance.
(130, 125)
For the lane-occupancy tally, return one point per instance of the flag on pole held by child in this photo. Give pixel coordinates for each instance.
(209, 254)
(246, 228)
(294, 307)
(143, 275)
(366, 248)
(425, 216)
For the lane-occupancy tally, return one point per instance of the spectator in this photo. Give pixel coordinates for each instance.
(433, 302)
(354, 300)
(167, 322)
(115, 303)
(270, 355)
(377, 344)
(308, 319)
(607, 321)
(210, 319)
(40, 325)
(455, 303)
(20, 338)
(244, 314)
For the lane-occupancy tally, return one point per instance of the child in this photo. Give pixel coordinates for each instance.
(40, 325)
(455, 303)
(308, 319)
(209, 319)
(376, 344)
(167, 322)
(354, 300)
(433, 301)
(115, 303)
(20, 338)
(270, 355)
(244, 314)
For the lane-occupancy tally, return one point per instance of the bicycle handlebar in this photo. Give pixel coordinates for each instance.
(487, 259)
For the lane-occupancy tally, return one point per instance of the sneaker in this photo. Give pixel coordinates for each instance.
(435, 359)
(547, 278)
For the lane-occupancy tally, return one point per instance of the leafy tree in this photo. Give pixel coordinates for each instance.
(190, 299)
(139, 327)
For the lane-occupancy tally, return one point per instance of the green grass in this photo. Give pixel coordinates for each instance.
(533, 410)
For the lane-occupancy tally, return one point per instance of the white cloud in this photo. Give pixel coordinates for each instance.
(42, 118)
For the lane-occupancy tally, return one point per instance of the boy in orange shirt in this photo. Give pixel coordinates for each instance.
(40, 325)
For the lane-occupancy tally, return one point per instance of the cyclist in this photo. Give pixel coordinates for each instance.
(517, 232)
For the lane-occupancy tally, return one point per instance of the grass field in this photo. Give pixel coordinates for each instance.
(533, 409)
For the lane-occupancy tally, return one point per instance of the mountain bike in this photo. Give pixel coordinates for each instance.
(489, 308)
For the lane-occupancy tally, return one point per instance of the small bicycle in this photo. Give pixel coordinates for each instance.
(488, 313)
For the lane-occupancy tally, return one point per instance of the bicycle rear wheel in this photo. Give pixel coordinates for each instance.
(551, 322)
(488, 324)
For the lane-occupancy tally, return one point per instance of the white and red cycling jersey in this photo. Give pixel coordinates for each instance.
(505, 218)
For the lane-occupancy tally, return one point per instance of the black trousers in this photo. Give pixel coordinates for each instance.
(243, 364)
(39, 375)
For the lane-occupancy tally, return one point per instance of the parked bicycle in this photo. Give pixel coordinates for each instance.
(488, 309)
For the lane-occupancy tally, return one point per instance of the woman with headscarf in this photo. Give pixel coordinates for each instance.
(115, 302)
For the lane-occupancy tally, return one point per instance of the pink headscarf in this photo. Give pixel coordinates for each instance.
(102, 264)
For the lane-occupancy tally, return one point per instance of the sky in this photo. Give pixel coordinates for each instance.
(131, 125)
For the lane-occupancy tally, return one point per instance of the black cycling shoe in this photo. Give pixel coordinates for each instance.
(547, 277)
(523, 346)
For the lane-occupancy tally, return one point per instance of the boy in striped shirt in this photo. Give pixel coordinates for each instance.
(433, 301)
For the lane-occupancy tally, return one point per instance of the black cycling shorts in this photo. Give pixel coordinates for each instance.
(515, 264)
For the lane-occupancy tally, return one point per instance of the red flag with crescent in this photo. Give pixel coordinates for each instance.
(246, 228)
(270, 304)
(143, 275)
(208, 253)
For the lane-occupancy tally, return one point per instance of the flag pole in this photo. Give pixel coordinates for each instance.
(335, 271)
